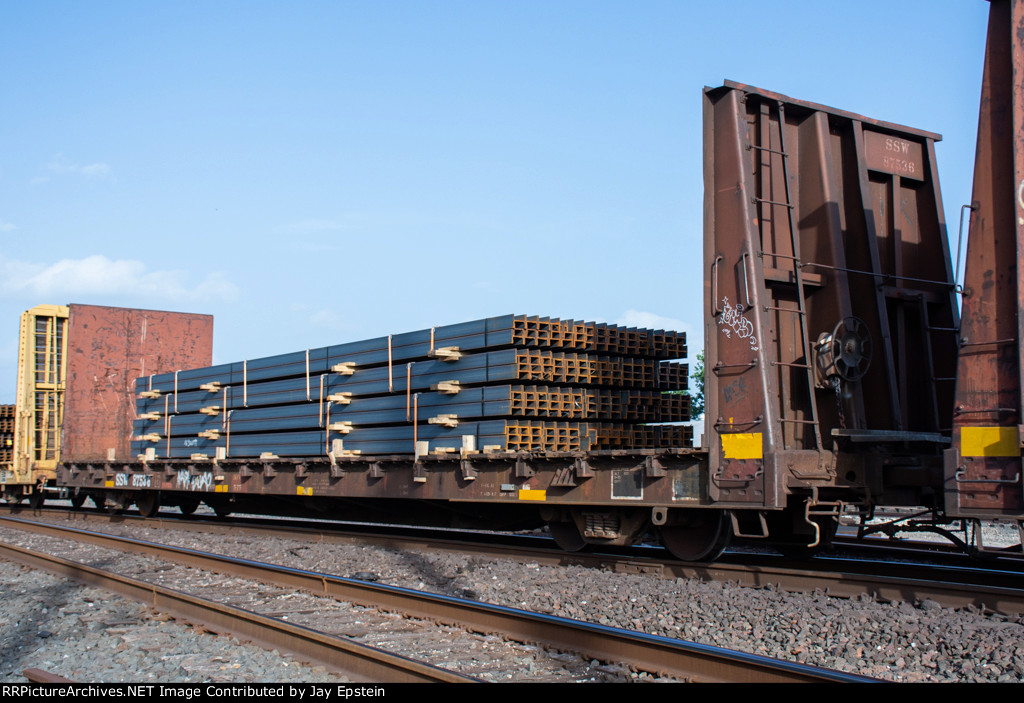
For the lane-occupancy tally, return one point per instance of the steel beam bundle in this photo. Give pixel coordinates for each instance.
(511, 365)
(487, 401)
(494, 333)
(425, 391)
(468, 437)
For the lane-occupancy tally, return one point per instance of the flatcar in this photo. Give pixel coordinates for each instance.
(846, 366)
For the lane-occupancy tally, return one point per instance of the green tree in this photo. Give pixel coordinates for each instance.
(697, 396)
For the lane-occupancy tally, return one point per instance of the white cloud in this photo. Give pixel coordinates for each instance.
(59, 164)
(97, 275)
(327, 318)
(637, 318)
(6, 226)
(97, 169)
(694, 332)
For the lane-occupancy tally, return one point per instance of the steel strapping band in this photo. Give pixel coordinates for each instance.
(327, 431)
(224, 412)
(391, 388)
(245, 385)
(322, 399)
(415, 421)
(408, 388)
(307, 374)
(175, 391)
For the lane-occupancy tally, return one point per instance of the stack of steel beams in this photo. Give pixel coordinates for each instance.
(6, 434)
(510, 383)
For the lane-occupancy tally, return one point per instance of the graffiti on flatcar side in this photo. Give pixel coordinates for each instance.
(1020, 201)
(735, 391)
(202, 481)
(732, 320)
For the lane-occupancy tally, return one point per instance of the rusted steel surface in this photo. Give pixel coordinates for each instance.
(983, 469)
(108, 348)
(631, 481)
(43, 676)
(830, 315)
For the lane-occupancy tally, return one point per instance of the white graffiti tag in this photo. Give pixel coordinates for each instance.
(1020, 201)
(202, 481)
(732, 320)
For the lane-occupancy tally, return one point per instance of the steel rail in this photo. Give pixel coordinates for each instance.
(43, 676)
(360, 662)
(984, 586)
(990, 585)
(662, 655)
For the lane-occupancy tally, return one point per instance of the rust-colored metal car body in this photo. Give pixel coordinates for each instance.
(830, 317)
(77, 371)
(983, 467)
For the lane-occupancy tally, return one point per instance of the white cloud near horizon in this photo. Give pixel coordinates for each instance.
(59, 164)
(98, 275)
(321, 318)
(650, 320)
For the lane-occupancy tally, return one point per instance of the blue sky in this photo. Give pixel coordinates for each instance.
(318, 172)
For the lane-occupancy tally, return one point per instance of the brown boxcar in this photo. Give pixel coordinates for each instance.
(77, 369)
(983, 467)
(830, 319)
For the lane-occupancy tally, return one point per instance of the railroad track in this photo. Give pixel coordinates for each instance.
(360, 662)
(680, 660)
(868, 570)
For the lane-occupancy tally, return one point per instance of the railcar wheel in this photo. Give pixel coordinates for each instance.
(12, 495)
(187, 506)
(148, 503)
(77, 499)
(702, 536)
(567, 536)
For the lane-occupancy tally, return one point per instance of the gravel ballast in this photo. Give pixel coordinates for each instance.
(51, 622)
(89, 635)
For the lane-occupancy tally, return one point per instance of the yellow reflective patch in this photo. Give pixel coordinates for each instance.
(108, 484)
(304, 491)
(989, 441)
(533, 495)
(222, 488)
(742, 445)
